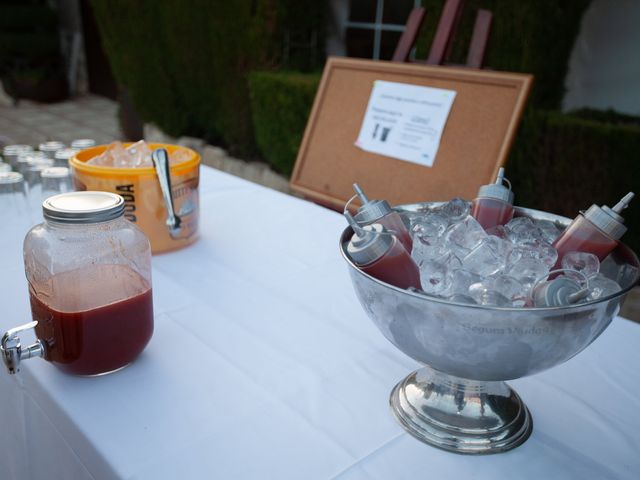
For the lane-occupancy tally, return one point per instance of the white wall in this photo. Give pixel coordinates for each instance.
(338, 16)
(604, 67)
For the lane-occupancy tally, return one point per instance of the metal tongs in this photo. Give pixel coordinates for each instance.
(160, 159)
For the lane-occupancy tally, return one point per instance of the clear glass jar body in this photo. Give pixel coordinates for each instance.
(90, 292)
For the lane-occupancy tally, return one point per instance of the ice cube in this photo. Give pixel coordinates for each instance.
(111, 157)
(179, 155)
(509, 287)
(600, 287)
(522, 229)
(548, 229)
(462, 237)
(527, 271)
(139, 155)
(424, 250)
(460, 298)
(487, 257)
(498, 231)
(484, 295)
(583, 262)
(461, 280)
(455, 210)
(428, 225)
(426, 231)
(537, 249)
(435, 273)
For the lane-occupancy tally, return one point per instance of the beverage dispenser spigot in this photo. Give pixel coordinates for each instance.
(12, 350)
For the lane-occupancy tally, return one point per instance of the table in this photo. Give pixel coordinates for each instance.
(264, 365)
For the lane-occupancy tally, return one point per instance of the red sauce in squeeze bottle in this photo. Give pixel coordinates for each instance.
(379, 211)
(380, 254)
(595, 231)
(494, 204)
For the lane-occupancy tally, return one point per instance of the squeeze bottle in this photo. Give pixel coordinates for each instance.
(595, 231)
(380, 254)
(379, 211)
(494, 203)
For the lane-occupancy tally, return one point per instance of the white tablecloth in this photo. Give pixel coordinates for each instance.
(264, 365)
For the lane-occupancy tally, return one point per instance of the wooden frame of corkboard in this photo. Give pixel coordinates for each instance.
(474, 144)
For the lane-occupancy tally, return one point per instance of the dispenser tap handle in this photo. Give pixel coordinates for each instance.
(12, 351)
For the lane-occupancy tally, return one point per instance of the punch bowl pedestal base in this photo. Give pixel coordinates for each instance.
(459, 415)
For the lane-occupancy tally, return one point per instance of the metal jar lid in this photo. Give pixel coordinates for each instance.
(55, 172)
(51, 146)
(65, 153)
(82, 143)
(15, 150)
(10, 177)
(83, 207)
(370, 246)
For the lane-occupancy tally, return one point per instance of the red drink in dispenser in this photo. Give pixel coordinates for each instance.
(94, 326)
(89, 276)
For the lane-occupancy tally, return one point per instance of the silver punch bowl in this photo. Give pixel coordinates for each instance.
(459, 400)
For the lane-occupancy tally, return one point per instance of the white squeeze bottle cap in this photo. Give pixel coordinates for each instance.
(371, 210)
(497, 190)
(608, 219)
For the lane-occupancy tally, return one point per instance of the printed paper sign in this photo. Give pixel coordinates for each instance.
(405, 121)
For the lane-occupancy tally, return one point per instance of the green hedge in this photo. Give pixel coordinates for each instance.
(32, 45)
(27, 18)
(533, 36)
(280, 103)
(563, 163)
(185, 62)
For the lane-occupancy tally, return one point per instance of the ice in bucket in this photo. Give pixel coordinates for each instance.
(129, 171)
(137, 155)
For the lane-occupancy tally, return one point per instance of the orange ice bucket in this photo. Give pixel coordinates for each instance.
(140, 188)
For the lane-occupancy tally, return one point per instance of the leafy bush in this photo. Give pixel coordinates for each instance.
(31, 64)
(185, 63)
(562, 163)
(281, 103)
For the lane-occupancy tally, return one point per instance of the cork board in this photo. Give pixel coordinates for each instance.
(474, 144)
